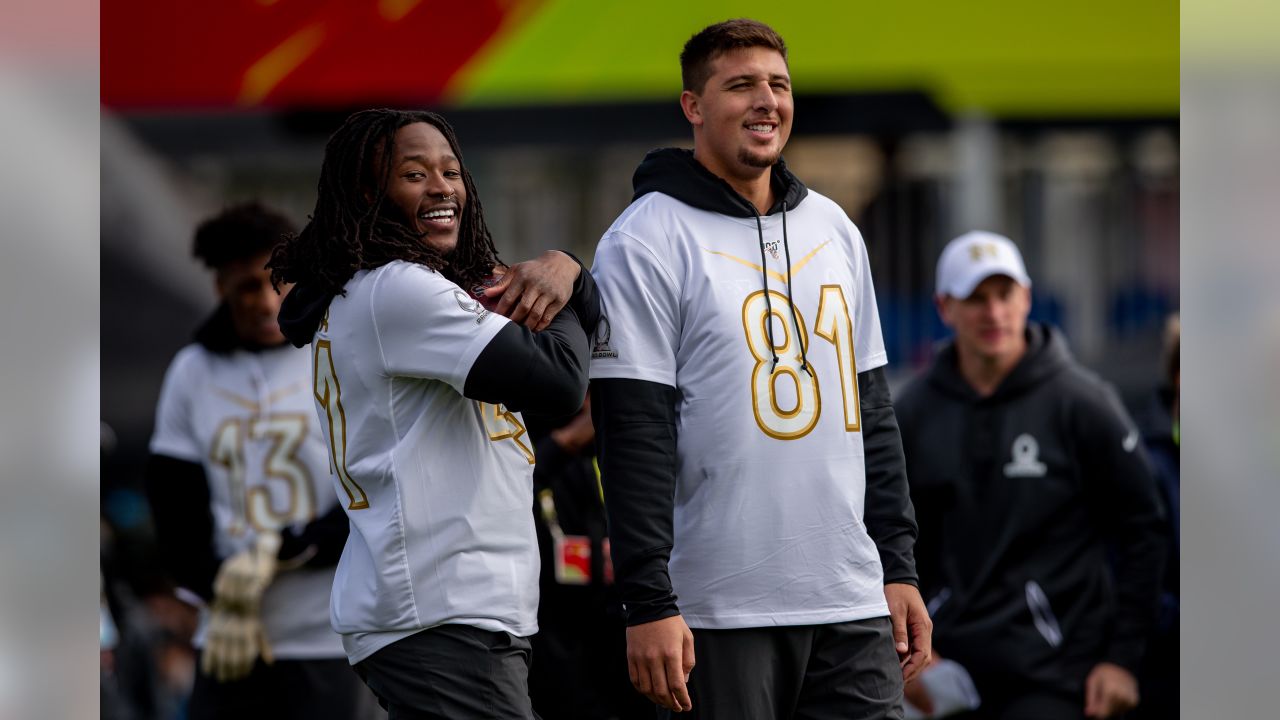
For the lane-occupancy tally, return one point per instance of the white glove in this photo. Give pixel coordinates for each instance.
(244, 576)
(235, 636)
(233, 641)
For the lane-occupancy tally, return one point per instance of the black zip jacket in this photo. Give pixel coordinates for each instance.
(1022, 496)
(635, 427)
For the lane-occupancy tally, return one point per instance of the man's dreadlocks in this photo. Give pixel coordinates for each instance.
(349, 229)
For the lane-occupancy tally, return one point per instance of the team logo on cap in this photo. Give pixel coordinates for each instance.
(977, 251)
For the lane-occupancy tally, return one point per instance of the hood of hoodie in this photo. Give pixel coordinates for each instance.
(675, 172)
(1047, 354)
(218, 334)
(301, 312)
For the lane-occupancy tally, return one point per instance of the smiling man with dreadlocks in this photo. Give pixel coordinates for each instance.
(419, 390)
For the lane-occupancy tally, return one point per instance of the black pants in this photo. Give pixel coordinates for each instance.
(452, 672)
(1028, 705)
(844, 671)
(284, 690)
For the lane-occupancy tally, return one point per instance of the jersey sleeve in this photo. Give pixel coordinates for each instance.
(639, 332)
(428, 327)
(868, 342)
(174, 435)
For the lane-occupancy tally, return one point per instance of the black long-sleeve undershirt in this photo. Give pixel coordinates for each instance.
(178, 493)
(636, 450)
(889, 516)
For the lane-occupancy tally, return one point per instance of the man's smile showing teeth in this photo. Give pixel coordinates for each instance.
(761, 128)
(437, 215)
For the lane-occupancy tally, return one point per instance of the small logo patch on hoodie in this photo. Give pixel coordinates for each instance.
(1026, 458)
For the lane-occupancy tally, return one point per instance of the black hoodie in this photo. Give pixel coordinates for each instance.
(1021, 496)
(635, 426)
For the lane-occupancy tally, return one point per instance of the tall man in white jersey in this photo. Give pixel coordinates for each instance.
(419, 388)
(238, 482)
(751, 461)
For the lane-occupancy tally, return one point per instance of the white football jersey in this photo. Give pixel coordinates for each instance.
(439, 488)
(249, 419)
(770, 475)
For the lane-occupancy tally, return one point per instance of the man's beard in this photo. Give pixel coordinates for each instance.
(746, 157)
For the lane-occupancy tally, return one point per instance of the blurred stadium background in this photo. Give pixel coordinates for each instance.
(1056, 124)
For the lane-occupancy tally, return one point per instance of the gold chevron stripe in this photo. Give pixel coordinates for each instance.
(284, 392)
(240, 400)
(795, 267)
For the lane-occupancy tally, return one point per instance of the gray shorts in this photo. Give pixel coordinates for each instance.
(452, 672)
(844, 671)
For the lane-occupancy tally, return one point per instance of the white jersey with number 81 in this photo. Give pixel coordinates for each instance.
(770, 484)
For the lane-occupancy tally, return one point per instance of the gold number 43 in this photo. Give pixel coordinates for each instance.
(834, 325)
(252, 506)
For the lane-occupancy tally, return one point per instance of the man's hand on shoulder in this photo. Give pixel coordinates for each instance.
(532, 292)
(659, 660)
(912, 628)
(1109, 690)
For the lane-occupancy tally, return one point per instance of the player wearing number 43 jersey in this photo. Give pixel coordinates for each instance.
(752, 468)
(239, 486)
(419, 387)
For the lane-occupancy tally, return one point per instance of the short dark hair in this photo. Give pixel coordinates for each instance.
(350, 229)
(715, 40)
(238, 233)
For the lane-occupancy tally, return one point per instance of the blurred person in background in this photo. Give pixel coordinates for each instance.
(1026, 473)
(1161, 433)
(580, 650)
(752, 468)
(419, 387)
(246, 520)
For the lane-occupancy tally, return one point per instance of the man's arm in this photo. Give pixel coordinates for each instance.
(531, 293)
(636, 449)
(178, 493)
(317, 544)
(543, 372)
(1123, 497)
(889, 516)
(891, 522)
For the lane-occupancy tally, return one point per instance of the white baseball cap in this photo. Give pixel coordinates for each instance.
(975, 256)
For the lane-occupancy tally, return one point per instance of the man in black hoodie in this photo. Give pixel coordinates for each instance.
(753, 473)
(1028, 477)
